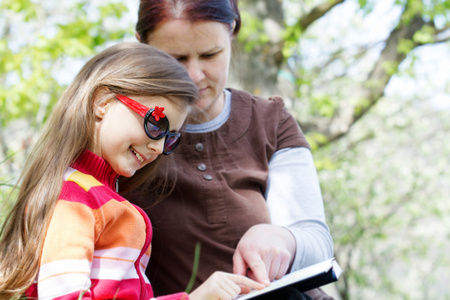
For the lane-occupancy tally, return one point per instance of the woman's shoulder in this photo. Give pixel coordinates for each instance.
(241, 94)
(271, 114)
(273, 105)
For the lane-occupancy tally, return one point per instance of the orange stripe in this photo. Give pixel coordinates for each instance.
(65, 273)
(78, 219)
(114, 258)
(120, 259)
(128, 231)
(70, 234)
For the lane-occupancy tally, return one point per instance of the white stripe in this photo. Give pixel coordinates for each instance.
(113, 269)
(117, 264)
(123, 253)
(144, 260)
(119, 252)
(54, 268)
(63, 285)
(63, 277)
(68, 172)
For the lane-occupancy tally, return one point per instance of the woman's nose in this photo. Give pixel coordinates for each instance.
(195, 70)
(156, 146)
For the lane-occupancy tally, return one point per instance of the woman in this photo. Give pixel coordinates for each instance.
(246, 186)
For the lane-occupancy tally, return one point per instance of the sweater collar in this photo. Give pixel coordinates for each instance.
(237, 124)
(92, 164)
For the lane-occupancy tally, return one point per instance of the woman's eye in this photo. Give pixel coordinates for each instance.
(210, 55)
(181, 58)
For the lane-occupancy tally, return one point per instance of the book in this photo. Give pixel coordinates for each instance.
(303, 280)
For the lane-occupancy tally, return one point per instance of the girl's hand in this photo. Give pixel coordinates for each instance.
(224, 286)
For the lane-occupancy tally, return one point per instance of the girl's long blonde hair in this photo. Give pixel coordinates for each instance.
(127, 68)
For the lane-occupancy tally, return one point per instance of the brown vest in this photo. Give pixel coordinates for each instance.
(219, 192)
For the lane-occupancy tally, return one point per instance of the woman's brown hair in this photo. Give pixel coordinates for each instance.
(154, 12)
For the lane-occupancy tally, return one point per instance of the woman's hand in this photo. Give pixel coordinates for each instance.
(224, 286)
(264, 253)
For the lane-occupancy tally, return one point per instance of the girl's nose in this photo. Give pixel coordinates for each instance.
(156, 146)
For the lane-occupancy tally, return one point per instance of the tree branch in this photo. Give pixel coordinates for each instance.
(369, 92)
(316, 13)
(442, 35)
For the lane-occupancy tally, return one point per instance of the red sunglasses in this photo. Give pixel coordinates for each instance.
(156, 124)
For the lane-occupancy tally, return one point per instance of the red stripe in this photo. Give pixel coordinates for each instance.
(100, 195)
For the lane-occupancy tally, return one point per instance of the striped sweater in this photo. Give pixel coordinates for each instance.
(98, 244)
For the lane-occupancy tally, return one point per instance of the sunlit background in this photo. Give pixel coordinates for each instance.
(377, 120)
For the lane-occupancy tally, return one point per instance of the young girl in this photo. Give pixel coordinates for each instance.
(70, 235)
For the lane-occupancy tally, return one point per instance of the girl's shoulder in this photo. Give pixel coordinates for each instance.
(85, 189)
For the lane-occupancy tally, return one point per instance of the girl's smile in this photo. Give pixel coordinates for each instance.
(120, 135)
(139, 157)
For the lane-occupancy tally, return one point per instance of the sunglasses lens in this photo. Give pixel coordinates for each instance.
(171, 143)
(156, 129)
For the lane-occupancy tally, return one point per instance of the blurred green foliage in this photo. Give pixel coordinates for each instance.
(385, 183)
(40, 45)
(28, 63)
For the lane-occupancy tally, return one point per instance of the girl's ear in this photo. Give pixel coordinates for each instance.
(102, 101)
(138, 36)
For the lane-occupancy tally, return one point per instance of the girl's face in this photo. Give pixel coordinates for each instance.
(204, 48)
(120, 138)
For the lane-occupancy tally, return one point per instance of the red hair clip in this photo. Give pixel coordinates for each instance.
(158, 113)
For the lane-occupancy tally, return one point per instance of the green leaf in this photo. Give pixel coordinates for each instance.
(405, 46)
(425, 35)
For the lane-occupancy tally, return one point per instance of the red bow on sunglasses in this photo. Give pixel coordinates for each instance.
(156, 125)
(158, 113)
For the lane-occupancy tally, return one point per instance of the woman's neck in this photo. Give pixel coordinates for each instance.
(203, 116)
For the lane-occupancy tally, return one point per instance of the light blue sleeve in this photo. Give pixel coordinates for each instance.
(295, 201)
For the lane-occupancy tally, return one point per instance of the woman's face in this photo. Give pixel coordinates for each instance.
(204, 48)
